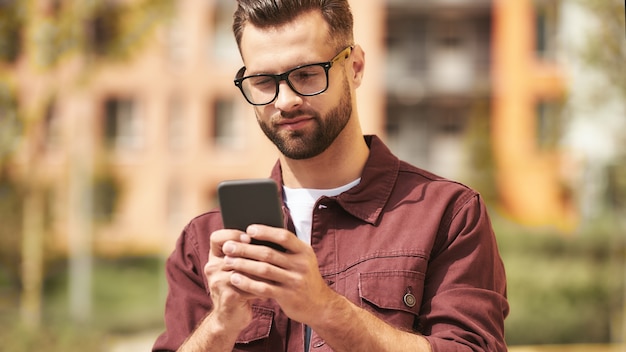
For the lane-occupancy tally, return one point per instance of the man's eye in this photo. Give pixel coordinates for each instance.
(304, 75)
(262, 81)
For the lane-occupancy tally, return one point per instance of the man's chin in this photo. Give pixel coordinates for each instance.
(297, 149)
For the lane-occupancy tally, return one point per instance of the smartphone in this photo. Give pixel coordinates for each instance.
(252, 201)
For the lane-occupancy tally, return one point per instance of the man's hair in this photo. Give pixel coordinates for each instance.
(274, 13)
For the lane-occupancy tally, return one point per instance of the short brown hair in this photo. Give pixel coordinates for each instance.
(273, 13)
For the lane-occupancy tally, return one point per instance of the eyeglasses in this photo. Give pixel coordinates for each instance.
(306, 80)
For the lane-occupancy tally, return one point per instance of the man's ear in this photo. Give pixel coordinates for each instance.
(358, 65)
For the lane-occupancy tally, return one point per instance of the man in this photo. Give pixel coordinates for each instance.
(385, 256)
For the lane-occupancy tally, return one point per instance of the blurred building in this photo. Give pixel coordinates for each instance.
(131, 151)
(438, 80)
(528, 95)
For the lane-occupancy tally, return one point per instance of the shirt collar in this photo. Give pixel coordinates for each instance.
(367, 199)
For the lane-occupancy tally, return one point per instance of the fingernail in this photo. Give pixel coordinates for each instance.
(251, 230)
(235, 279)
(228, 248)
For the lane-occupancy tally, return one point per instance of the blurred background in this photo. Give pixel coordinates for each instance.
(119, 117)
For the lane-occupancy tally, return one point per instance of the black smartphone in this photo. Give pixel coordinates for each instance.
(251, 201)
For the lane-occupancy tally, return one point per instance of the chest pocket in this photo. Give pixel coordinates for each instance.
(394, 296)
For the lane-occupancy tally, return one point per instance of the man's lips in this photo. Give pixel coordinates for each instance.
(294, 123)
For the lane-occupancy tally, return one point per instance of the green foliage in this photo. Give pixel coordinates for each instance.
(562, 289)
(10, 229)
(137, 306)
(616, 185)
(142, 17)
(97, 29)
(10, 125)
(128, 297)
(481, 171)
(605, 49)
(106, 192)
(11, 27)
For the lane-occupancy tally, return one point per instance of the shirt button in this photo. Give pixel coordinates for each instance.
(409, 300)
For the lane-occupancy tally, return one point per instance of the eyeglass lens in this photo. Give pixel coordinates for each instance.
(307, 80)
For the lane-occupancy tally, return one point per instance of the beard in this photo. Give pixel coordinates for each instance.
(299, 145)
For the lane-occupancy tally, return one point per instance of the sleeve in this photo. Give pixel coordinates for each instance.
(465, 291)
(188, 300)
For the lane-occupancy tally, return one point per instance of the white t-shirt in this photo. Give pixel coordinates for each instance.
(301, 201)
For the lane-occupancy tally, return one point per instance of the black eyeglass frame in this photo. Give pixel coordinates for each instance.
(345, 53)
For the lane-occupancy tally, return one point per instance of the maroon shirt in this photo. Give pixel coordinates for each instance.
(416, 250)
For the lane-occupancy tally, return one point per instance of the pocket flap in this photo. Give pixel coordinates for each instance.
(395, 290)
(259, 327)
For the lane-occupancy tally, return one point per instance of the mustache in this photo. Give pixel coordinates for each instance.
(296, 113)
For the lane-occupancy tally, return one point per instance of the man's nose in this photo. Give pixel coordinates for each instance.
(287, 99)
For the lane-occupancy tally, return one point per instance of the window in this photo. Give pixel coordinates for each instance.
(408, 131)
(225, 125)
(545, 28)
(103, 28)
(435, 51)
(548, 123)
(51, 128)
(122, 126)
(406, 56)
(106, 191)
(223, 46)
(429, 135)
(483, 42)
(452, 56)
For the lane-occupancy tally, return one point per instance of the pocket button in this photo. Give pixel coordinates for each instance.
(409, 300)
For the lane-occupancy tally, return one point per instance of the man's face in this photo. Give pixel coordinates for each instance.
(301, 127)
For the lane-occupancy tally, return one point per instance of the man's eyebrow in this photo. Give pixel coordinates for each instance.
(249, 72)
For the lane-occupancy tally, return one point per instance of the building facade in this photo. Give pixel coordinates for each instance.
(127, 153)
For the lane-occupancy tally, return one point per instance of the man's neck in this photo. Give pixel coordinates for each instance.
(340, 164)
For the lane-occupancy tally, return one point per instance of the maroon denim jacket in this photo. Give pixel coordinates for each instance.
(416, 250)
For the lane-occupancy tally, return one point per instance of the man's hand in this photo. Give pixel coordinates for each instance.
(294, 281)
(231, 311)
(231, 306)
(291, 278)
